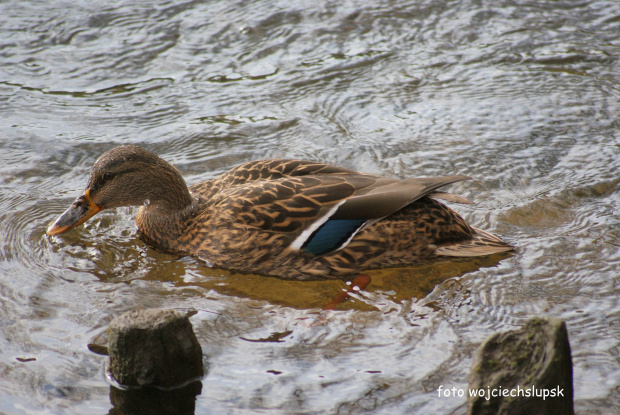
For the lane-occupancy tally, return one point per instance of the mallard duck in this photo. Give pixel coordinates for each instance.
(292, 219)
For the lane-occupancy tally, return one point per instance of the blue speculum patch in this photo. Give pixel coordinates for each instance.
(331, 235)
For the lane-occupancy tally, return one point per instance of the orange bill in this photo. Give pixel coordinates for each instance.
(79, 212)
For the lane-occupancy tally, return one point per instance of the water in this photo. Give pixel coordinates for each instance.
(524, 97)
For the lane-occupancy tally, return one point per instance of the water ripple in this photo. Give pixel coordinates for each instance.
(523, 98)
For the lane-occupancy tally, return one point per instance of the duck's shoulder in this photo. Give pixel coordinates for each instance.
(274, 169)
(270, 170)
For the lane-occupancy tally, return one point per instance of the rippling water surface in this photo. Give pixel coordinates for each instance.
(522, 96)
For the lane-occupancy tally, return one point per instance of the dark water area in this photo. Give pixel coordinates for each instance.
(522, 96)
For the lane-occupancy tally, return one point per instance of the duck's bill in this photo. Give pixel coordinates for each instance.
(79, 212)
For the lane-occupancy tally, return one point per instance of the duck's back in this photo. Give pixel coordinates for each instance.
(283, 218)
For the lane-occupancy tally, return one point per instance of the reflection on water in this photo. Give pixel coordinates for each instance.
(522, 97)
(396, 284)
(180, 401)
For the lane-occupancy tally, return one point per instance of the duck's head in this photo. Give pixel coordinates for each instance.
(125, 176)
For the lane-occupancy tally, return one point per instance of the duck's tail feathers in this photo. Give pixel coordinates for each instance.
(449, 197)
(482, 243)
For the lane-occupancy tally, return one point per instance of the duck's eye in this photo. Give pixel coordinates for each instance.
(108, 176)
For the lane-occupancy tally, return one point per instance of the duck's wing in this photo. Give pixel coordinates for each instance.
(387, 196)
(261, 170)
(321, 213)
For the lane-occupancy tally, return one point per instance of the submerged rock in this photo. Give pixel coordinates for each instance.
(526, 371)
(154, 347)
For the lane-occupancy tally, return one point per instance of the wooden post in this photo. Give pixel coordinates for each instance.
(526, 371)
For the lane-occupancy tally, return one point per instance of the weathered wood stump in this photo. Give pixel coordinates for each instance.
(526, 371)
(154, 347)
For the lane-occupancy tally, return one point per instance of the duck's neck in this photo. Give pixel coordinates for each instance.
(168, 192)
(163, 227)
(162, 218)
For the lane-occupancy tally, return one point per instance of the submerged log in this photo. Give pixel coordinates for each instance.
(154, 347)
(526, 371)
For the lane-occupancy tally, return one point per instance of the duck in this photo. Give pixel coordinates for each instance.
(288, 218)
